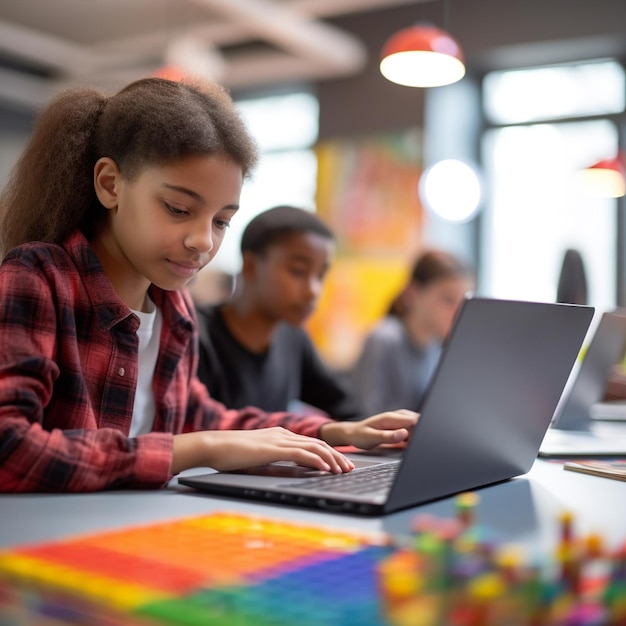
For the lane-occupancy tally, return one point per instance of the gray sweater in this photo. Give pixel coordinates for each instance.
(391, 371)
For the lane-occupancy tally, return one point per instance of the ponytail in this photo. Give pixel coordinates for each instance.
(50, 191)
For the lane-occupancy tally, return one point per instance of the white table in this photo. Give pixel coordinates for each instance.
(522, 511)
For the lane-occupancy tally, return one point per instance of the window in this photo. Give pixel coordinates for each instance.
(285, 128)
(561, 91)
(536, 206)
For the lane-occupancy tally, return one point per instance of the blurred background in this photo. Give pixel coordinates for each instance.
(489, 168)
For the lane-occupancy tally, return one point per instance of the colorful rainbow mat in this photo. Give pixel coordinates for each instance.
(233, 569)
(223, 568)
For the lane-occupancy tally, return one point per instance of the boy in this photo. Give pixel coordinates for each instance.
(253, 349)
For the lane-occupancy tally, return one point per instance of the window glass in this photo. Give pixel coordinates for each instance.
(527, 95)
(287, 177)
(282, 122)
(285, 128)
(538, 209)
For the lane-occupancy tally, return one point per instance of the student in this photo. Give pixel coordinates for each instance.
(400, 354)
(116, 203)
(253, 349)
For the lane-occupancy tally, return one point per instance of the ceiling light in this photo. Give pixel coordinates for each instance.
(189, 58)
(422, 56)
(451, 189)
(606, 178)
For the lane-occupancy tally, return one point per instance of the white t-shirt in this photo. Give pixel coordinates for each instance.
(149, 333)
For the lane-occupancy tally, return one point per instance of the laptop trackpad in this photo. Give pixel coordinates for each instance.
(288, 469)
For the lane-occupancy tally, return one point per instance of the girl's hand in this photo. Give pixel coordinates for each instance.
(392, 427)
(227, 450)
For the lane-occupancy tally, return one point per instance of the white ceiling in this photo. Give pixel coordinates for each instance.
(49, 44)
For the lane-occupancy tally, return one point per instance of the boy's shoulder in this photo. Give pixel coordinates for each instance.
(209, 314)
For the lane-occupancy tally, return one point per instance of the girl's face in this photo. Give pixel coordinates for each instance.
(167, 223)
(287, 279)
(438, 302)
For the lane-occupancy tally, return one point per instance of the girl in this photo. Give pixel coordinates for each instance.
(400, 354)
(113, 208)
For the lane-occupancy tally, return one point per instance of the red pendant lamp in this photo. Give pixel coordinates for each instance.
(606, 178)
(422, 55)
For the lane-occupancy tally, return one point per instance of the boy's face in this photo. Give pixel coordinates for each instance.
(286, 280)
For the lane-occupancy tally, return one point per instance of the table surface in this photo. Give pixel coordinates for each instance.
(523, 511)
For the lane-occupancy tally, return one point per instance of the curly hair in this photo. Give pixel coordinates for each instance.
(152, 121)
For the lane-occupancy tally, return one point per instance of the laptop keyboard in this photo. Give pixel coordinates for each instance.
(366, 480)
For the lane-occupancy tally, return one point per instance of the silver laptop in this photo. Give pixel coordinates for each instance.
(582, 424)
(487, 409)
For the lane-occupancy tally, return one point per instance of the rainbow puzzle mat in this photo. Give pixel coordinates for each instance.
(240, 570)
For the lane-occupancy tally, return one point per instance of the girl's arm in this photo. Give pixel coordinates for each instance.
(62, 412)
(235, 449)
(390, 428)
(36, 460)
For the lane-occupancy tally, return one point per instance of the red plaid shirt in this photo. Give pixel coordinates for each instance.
(68, 373)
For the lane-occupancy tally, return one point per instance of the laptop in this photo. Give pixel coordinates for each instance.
(489, 403)
(582, 425)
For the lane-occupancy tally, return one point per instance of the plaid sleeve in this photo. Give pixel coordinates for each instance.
(35, 460)
(208, 414)
(70, 453)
